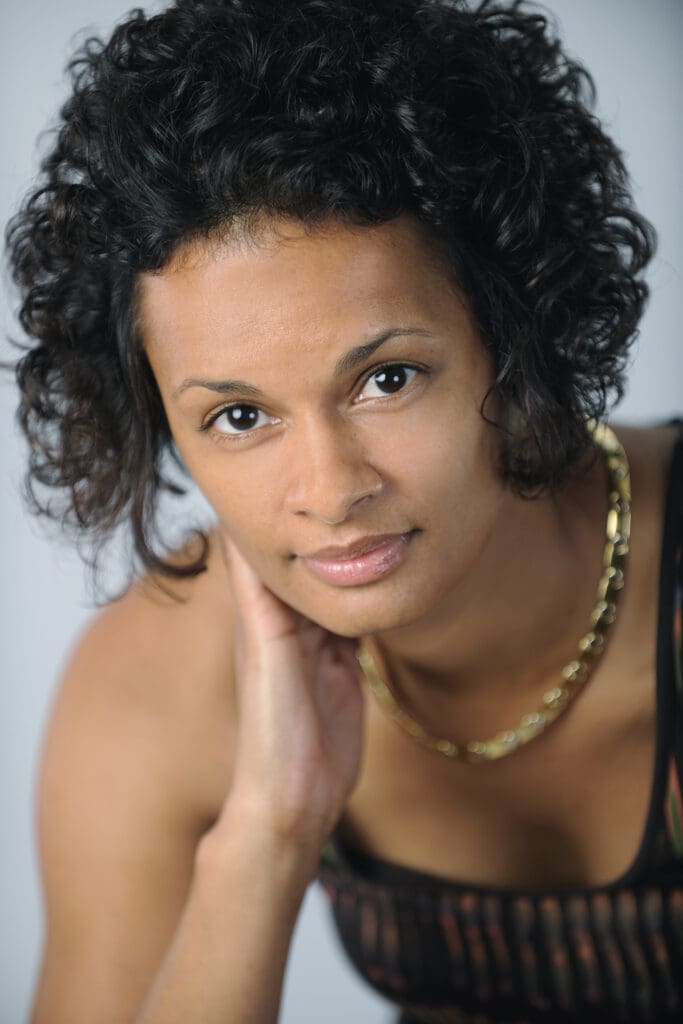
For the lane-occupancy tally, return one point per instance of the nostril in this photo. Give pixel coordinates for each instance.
(333, 513)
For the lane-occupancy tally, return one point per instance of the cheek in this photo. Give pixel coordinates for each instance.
(238, 490)
(445, 451)
(457, 488)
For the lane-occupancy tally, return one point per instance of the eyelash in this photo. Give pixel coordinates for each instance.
(221, 435)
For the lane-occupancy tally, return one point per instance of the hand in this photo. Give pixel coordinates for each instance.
(300, 713)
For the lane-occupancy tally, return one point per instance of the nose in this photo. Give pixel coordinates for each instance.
(330, 472)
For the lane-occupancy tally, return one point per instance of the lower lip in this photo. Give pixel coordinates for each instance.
(366, 568)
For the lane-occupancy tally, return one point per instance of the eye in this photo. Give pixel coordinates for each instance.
(239, 418)
(391, 379)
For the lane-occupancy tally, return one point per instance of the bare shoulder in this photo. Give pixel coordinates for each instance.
(159, 659)
(648, 446)
(649, 450)
(135, 766)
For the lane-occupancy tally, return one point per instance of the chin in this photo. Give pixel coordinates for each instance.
(365, 611)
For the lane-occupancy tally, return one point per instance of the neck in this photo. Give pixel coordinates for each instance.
(505, 632)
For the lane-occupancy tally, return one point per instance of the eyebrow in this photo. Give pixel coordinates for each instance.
(348, 361)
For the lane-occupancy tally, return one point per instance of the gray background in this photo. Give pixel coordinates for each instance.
(633, 49)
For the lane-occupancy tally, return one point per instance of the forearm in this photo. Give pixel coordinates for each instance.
(226, 962)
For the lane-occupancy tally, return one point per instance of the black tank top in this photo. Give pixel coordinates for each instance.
(449, 953)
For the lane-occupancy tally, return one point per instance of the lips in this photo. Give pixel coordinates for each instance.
(365, 561)
(360, 547)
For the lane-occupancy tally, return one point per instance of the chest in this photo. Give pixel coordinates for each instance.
(570, 809)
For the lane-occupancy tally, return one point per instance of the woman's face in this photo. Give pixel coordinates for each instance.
(324, 388)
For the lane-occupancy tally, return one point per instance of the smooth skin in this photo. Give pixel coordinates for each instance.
(200, 752)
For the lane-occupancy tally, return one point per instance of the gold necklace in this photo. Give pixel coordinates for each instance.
(591, 645)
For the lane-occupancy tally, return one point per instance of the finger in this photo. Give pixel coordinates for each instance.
(264, 616)
(246, 582)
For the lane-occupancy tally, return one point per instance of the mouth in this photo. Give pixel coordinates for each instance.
(368, 560)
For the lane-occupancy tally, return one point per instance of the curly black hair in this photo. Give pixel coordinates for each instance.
(471, 119)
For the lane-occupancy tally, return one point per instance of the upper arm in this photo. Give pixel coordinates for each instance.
(135, 765)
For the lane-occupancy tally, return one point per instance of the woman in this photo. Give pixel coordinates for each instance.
(369, 274)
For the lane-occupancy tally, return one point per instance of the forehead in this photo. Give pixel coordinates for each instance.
(290, 278)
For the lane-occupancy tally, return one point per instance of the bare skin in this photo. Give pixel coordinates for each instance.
(226, 701)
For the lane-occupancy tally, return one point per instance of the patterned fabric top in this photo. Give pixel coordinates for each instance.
(449, 953)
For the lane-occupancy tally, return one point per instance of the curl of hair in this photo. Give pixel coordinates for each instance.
(472, 120)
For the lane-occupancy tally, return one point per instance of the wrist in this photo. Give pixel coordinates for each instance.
(243, 839)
